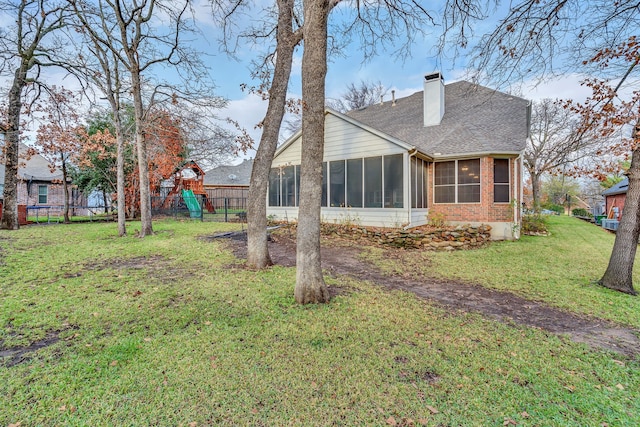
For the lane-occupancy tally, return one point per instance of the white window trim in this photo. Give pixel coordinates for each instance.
(456, 185)
(510, 181)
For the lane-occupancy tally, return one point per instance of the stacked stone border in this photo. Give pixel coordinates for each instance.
(425, 238)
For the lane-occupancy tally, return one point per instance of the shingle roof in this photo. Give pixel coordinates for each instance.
(619, 188)
(230, 174)
(35, 168)
(476, 120)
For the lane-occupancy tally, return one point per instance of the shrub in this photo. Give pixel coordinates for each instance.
(580, 212)
(534, 223)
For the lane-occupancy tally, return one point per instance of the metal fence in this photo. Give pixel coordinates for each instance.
(221, 209)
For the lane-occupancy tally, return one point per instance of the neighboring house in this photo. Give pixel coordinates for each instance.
(231, 181)
(451, 152)
(40, 187)
(614, 199)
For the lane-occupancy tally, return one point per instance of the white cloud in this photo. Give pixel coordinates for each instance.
(562, 87)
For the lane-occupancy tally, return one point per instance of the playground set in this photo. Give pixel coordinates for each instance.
(188, 185)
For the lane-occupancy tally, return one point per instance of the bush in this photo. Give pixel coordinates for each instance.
(580, 212)
(533, 224)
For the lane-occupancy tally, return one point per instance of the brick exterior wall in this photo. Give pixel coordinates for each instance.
(486, 210)
(55, 197)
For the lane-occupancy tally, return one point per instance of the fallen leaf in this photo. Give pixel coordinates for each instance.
(423, 421)
(137, 293)
(392, 421)
(147, 339)
(62, 408)
(619, 386)
(193, 424)
(432, 409)
(524, 414)
(571, 388)
(113, 363)
(619, 362)
(254, 411)
(509, 421)
(18, 424)
(207, 322)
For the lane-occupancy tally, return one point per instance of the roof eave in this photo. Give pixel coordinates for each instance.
(438, 157)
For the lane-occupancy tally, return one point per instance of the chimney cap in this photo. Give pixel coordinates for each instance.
(433, 76)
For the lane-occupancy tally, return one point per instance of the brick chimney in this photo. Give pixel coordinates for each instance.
(433, 99)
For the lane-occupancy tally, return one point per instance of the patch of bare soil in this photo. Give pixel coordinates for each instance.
(499, 305)
(12, 356)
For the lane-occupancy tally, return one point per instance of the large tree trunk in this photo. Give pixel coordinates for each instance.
(619, 274)
(121, 199)
(65, 187)
(257, 249)
(12, 149)
(535, 191)
(146, 227)
(310, 286)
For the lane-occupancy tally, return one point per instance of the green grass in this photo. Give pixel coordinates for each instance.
(560, 269)
(169, 330)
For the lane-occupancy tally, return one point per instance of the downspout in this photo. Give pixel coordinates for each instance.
(517, 219)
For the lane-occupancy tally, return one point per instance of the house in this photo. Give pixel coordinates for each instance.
(450, 152)
(230, 181)
(40, 188)
(614, 198)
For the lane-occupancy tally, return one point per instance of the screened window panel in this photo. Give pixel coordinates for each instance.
(501, 193)
(469, 171)
(425, 176)
(393, 188)
(501, 171)
(297, 185)
(445, 173)
(274, 187)
(336, 183)
(469, 193)
(288, 186)
(445, 194)
(415, 184)
(373, 182)
(324, 184)
(354, 183)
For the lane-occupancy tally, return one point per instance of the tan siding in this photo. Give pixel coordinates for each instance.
(392, 218)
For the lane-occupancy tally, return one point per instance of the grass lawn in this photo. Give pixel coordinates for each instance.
(560, 269)
(170, 330)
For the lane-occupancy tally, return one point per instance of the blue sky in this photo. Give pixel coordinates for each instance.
(405, 77)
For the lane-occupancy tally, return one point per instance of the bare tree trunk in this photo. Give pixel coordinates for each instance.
(65, 187)
(619, 273)
(257, 249)
(535, 191)
(310, 286)
(122, 228)
(146, 227)
(12, 148)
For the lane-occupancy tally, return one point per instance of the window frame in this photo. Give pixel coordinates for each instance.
(502, 184)
(456, 182)
(45, 195)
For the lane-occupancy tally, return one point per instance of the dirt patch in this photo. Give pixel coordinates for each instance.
(467, 297)
(12, 356)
